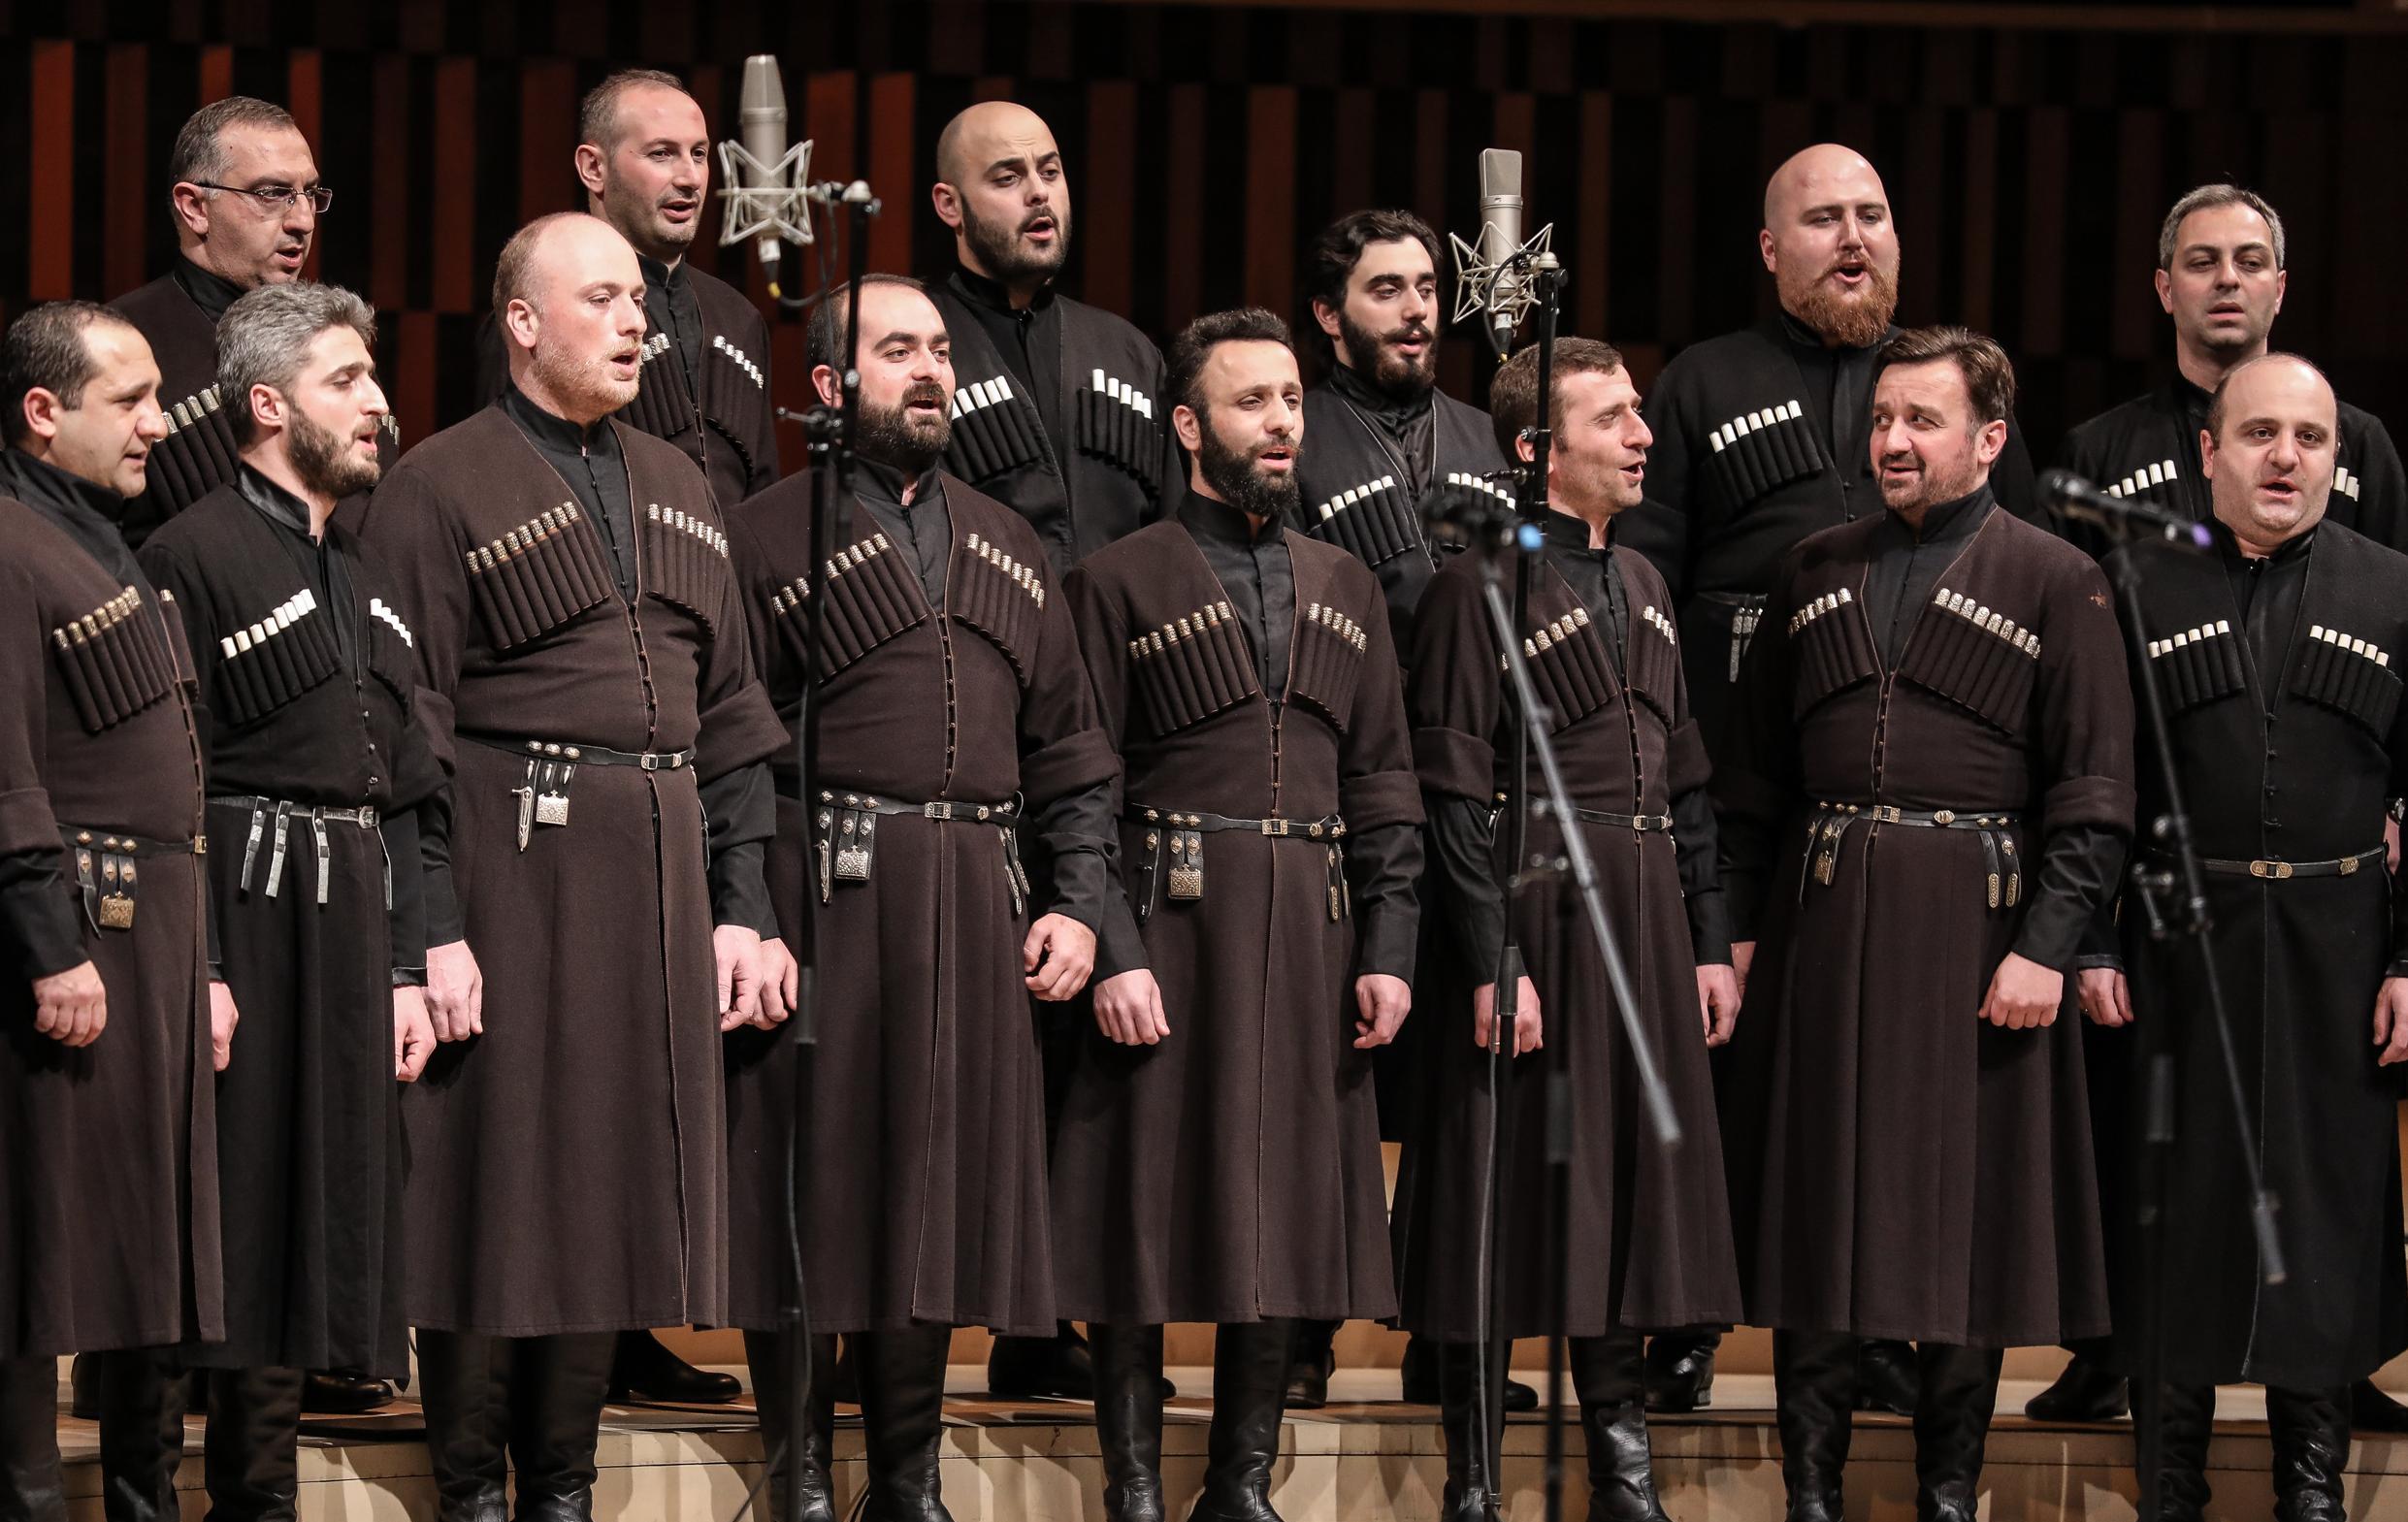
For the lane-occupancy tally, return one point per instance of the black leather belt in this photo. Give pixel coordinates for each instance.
(1180, 837)
(1636, 824)
(317, 815)
(105, 872)
(847, 835)
(2281, 872)
(2002, 872)
(588, 754)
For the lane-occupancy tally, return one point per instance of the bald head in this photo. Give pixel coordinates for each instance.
(1001, 189)
(569, 298)
(1829, 243)
(2269, 449)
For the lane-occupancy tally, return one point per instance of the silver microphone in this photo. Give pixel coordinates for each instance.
(1492, 275)
(765, 176)
(1499, 229)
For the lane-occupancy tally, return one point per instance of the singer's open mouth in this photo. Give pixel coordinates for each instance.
(2282, 489)
(680, 211)
(1278, 456)
(1041, 230)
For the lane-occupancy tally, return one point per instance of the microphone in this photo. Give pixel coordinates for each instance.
(2069, 496)
(765, 177)
(1467, 511)
(1492, 275)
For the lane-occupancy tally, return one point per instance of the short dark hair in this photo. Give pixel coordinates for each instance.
(1329, 262)
(598, 115)
(823, 342)
(1989, 375)
(2215, 403)
(2206, 198)
(45, 347)
(1514, 395)
(1183, 367)
(198, 153)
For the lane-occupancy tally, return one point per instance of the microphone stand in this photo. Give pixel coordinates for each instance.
(1532, 741)
(831, 432)
(2174, 898)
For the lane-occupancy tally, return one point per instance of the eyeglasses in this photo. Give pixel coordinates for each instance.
(276, 198)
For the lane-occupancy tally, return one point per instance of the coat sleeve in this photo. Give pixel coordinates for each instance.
(1069, 769)
(1381, 802)
(1696, 837)
(2085, 765)
(738, 735)
(1101, 627)
(38, 920)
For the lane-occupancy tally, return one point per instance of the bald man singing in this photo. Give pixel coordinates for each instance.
(1056, 413)
(1760, 438)
(594, 901)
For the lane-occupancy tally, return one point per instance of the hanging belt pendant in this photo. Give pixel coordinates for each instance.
(250, 847)
(1742, 631)
(854, 847)
(1990, 864)
(276, 855)
(552, 804)
(325, 865)
(827, 819)
(1012, 878)
(1187, 865)
(525, 793)
(1827, 864)
(116, 905)
(2015, 871)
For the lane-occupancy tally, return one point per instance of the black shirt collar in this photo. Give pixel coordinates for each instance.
(2298, 545)
(1565, 532)
(549, 428)
(2188, 397)
(1369, 397)
(991, 294)
(881, 482)
(1211, 518)
(92, 515)
(1950, 520)
(667, 278)
(210, 291)
(274, 503)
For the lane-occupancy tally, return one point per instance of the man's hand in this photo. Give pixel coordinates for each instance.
(1129, 1009)
(736, 949)
(1743, 958)
(223, 1016)
(1527, 1029)
(2023, 994)
(2107, 996)
(413, 1033)
(2391, 1020)
(1717, 1001)
(1384, 1000)
(455, 993)
(71, 1006)
(781, 979)
(1059, 956)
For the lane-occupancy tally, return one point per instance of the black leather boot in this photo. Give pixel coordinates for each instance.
(1250, 1365)
(252, 1452)
(903, 1405)
(1681, 1371)
(1310, 1363)
(1610, 1374)
(641, 1365)
(1959, 1390)
(1040, 1368)
(141, 1435)
(464, 1383)
(1471, 1495)
(806, 1446)
(1419, 1373)
(30, 1487)
(1814, 1374)
(2371, 1409)
(1129, 1419)
(2091, 1390)
(558, 1385)
(337, 1392)
(2310, 1432)
(1886, 1379)
(2185, 1416)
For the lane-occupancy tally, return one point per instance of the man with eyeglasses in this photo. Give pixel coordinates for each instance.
(247, 202)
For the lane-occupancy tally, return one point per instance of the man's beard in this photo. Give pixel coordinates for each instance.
(999, 249)
(586, 384)
(1853, 322)
(1389, 372)
(1929, 489)
(1233, 476)
(898, 437)
(323, 460)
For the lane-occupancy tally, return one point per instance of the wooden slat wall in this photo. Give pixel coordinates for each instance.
(2029, 164)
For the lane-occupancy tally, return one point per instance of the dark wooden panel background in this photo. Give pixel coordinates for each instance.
(2029, 160)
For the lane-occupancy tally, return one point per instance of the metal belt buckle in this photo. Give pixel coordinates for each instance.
(941, 809)
(2271, 871)
(650, 760)
(1944, 817)
(1886, 813)
(2349, 865)
(1274, 827)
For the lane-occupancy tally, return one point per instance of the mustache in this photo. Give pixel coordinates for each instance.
(928, 391)
(1407, 333)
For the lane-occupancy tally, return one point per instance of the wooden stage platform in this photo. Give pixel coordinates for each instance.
(1366, 1456)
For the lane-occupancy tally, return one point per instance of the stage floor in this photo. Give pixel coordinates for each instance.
(1366, 1456)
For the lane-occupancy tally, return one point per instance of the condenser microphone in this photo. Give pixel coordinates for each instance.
(1492, 275)
(765, 172)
